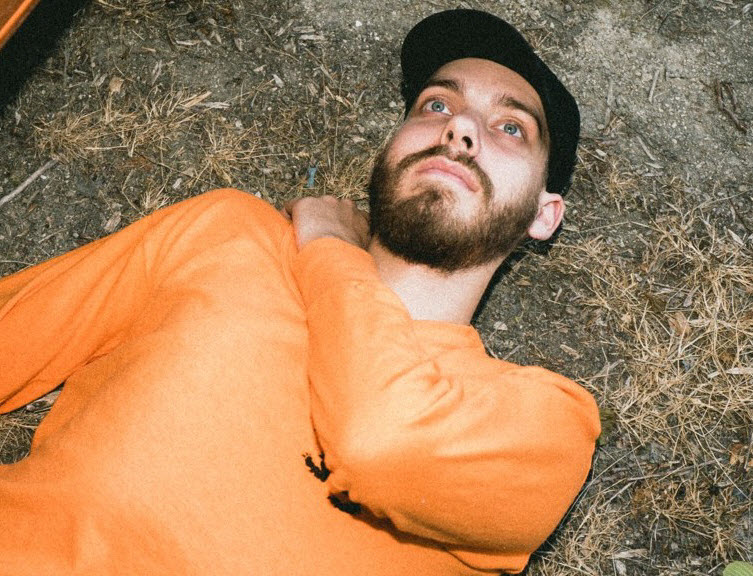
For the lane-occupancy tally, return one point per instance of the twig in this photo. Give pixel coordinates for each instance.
(610, 103)
(103, 3)
(25, 183)
(274, 47)
(747, 456)
(724, 93)
(743, 220)
(667, 15)
(653, 85)
(646, 150)
(50, 235)
(588, 173)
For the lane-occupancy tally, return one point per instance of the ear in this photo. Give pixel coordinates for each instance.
(549, 216)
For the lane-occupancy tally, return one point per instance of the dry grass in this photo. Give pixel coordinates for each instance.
(589, 537)
(17, 428)
(16, 432)
(677, 405)
(191, 138)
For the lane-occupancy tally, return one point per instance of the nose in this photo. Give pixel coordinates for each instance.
(461, 135)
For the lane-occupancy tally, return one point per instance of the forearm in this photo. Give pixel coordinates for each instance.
(426, 429)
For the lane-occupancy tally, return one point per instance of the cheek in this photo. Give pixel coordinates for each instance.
(512, 177)
(412, 137)
(506, 167)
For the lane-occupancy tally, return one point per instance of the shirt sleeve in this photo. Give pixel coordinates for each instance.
(59, 315)
(56, 316)
(482, 456)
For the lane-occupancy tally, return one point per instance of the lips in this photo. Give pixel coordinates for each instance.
(445, 166)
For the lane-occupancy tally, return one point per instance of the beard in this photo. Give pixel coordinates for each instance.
(424, 228)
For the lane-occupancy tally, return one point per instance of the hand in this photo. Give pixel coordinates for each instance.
(326, 216)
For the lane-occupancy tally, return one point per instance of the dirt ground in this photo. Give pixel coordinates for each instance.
(646, 296)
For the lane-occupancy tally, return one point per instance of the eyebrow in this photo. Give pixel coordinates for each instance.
(504, 101)
(511, 102)
(452, 85)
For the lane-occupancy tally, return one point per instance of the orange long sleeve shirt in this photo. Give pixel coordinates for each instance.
(205, 356)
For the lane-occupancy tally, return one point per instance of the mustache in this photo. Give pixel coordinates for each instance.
(442, 150)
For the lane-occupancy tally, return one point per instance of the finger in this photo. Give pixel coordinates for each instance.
(365, 229)
(288, 206)
(363, 213)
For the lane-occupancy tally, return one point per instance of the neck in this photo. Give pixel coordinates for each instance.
(429, 294)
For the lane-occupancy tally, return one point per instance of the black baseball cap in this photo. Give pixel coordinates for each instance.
(455, 34)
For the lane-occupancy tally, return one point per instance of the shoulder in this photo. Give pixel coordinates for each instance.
(229, 209)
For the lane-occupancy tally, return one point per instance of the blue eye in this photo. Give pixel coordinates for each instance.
(436, 106)
(512, 129)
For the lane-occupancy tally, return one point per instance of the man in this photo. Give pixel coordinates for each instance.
(256, 393)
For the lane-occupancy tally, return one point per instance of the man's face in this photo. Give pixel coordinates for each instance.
(459, 184)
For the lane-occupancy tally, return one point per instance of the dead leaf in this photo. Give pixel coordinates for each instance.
(656, 303)
(569, 351)
(113, 222)
(115, 85)
(196, 99)
(742, 371)
(679, 323)
(737, 453)
(629, 554)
